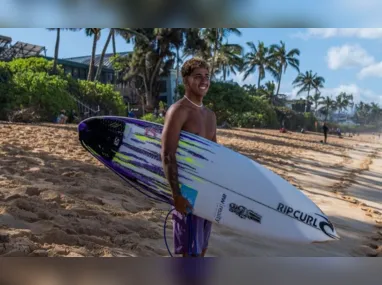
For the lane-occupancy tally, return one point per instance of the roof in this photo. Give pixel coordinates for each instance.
(106, 60)
(19, 49)
(5, 41)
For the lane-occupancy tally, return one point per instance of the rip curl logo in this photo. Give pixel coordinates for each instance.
(324, 225)
(150, 132)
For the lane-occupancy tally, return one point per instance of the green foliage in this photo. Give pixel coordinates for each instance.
(232, 104)
(28, 82)
(33, 64)
(96, 93)
(152, 118)
(360, 128)
(6, 90)
(294, 121)
(162, 105)
(47, 93)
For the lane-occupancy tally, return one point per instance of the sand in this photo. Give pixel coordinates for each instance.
(57, 200)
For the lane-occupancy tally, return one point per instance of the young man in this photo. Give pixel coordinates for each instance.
(325, 129)
(191, 233)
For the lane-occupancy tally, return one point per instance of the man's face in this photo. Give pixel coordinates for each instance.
(198, 82)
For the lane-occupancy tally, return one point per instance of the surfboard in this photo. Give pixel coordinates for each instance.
(222, 185)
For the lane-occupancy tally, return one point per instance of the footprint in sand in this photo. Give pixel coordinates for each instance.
(350, 199)
(370, 250)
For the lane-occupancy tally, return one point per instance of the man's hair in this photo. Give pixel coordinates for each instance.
(190, 65)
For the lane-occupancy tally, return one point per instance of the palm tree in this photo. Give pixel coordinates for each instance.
(152, 59)
(328, 105)
(306, 82)
(342, 102)
(269, 93)
(100, 64)
(259, 58)
(283, 59)
(127, 34)
(214, 40)
(375, 112)
(177, 43)
(362, 114)
(318, 83)
(316, 98)
(229, 59)
(57, 46)
(96, 34)
(250, 89)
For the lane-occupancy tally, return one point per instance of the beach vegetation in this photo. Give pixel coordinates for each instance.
(30, 83)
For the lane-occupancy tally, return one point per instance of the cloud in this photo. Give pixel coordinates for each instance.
(373, 70)
(348, 56)
(325, 33)
(251, 79)
(359, 94)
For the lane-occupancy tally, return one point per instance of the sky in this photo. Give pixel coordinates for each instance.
(350, 60)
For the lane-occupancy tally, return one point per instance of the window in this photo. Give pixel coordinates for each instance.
(82, 73)
(68, 70)
(75, 72)
(162, 86)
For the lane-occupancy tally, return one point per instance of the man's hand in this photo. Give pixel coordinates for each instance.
(182, 205)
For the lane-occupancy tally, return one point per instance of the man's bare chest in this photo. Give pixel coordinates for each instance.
(200, 125)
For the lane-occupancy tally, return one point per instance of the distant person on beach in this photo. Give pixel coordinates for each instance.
(339, 132)
(325, 129)
(191, 233)
(61, 119)
(131, 114)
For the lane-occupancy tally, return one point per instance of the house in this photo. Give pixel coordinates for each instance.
(79, 68)
(298, 105)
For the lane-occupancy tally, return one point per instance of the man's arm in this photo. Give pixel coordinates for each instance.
(215, 128)
(174, 121)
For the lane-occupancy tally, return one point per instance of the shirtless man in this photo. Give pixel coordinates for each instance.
(191, 233)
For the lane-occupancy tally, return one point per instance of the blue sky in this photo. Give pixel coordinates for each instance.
(350, 60)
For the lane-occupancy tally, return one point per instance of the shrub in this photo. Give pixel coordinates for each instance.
(46, 93)
(29, 83)
(152, 118)
(99, 94)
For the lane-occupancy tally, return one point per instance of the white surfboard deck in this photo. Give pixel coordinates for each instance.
(223, 186)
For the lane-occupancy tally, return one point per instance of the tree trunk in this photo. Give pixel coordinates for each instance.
(91, 64)
(114, 53)
(306, 100)
(150, 96)
(279, 83)
(99, 69)
(113, 41)
(177, 74)
(215, 52)
(258, 81)
(56, 51)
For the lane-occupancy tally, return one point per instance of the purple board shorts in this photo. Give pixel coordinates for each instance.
(191, 233)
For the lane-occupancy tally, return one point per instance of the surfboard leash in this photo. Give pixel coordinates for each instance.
(164, 231)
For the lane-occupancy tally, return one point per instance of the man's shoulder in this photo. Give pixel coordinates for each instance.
(177, 107)
(177, 110)
(210, 113)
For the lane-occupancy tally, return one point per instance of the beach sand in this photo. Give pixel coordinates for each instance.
(57, 200)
